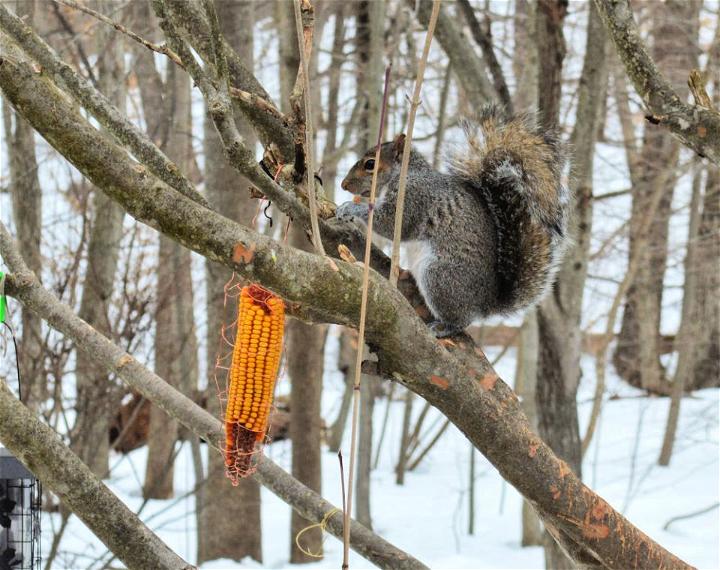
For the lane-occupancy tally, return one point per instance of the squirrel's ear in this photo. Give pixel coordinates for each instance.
(399, 145)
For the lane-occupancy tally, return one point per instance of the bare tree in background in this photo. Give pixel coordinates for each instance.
(637, 356)
(175, 339)
(96, 397)
(305, 342)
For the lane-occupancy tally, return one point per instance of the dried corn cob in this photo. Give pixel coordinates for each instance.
(251, 380)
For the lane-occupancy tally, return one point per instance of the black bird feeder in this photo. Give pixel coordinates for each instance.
(20, 498)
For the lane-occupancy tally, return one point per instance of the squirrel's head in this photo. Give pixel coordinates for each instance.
(359, 179)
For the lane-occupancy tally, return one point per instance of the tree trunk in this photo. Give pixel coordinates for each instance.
(557, 411)
(637, 356)
(331, 156)
(96, 395)
(368, 396)
(686, 336)
(305, 343)
(370, 22)
(225, 505)
(525, 69)
(346, 359)
(305, 359)
(26, 197)
(175, 340)
(525, 56)
(706, 369)
(559, 313)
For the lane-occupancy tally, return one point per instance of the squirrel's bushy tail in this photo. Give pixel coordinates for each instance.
(516, 167)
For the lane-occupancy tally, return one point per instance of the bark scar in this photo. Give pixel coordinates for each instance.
(242, 253)
(440, 382)
(488, 381)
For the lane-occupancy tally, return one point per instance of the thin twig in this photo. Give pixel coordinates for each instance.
(158, 48)
(712, 507)
(414, 104)
(304, 38)
(257, 101)
(361, 329)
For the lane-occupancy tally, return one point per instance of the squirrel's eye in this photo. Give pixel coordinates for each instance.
(370, 164)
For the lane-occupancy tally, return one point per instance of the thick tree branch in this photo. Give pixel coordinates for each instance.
(23, 285)
(461, 384)
(696, 126)
(41, 450)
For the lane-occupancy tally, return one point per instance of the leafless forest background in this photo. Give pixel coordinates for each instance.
(131, 247)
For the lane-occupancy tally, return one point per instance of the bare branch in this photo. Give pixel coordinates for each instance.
(468, 67)
(696, 126)
(161, 49)
(195, 30)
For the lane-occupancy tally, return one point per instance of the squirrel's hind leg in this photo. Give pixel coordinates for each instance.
(445, 291)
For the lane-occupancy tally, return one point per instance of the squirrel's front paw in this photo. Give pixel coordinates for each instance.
(443, 330)
(348, 211)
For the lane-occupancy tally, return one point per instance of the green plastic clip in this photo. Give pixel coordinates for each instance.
(3, 299)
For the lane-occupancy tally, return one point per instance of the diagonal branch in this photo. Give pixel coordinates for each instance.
(696, 126)
(161, 49)
(460, 382)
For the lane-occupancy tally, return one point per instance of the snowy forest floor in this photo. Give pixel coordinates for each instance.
(428, 516)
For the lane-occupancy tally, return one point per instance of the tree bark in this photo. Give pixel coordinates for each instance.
(559, 313)
(223, 504)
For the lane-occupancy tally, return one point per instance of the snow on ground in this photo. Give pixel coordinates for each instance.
(428, 515)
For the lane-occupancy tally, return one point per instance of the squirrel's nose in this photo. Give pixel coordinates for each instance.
(344, 184)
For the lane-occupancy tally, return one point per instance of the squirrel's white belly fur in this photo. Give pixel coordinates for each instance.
(420, 255)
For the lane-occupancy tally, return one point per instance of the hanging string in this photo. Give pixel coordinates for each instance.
(322, 525)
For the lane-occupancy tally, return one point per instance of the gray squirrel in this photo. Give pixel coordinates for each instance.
(490, 233)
